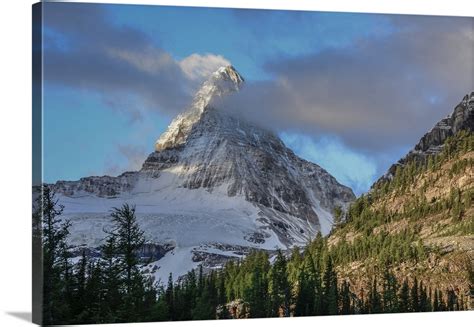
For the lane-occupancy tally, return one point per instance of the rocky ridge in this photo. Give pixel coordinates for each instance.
(462, 118)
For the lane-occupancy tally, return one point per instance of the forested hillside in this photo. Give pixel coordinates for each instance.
(420, 223)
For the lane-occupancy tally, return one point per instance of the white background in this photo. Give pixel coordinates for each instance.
(15, 156)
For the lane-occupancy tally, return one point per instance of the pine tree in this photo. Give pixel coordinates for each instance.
(280, 291)
(160, 310)
(79, 301)
(346, 295)
(112, 287)
(169, 298)
(256, 292)
(200, 285)
(137, 291)
(221, 308)
(425, 303)
(309, 288)
(390, 288)
(129, 240)
(189, 296)
(55, 256)
(203, 308)
(375, 301)
(452, 302)
(330, 291)
(414, 297)
(92, 312)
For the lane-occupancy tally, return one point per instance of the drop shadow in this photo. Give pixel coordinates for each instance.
(25, 316)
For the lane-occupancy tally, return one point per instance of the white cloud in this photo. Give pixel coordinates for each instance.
(150, 60)
(197, 67)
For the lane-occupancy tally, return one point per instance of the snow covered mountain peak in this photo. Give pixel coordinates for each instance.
(229, 73)
(216, 187)
(222, 82)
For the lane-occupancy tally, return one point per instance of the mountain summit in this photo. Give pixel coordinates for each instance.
(222, 82)
(215, 187)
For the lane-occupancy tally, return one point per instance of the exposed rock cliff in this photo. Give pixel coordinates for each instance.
(462, 118)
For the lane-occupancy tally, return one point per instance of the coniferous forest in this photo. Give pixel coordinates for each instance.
(306, 281)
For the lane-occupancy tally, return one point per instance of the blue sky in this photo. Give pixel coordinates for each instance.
(351, 92)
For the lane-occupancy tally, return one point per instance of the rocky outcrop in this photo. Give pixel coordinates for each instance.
(153, 252)
(103, 186)
(462, 118)
(237, 309)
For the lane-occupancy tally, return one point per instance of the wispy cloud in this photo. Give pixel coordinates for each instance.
(117, 61)
(198, 67)
(125, 157)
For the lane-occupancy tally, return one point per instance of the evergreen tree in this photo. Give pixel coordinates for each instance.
(346, 295)
(112, 286)
(160, 310)
(169, 298)
(330, 292)
(56, 269)
(414, 297)
(452, 302)
(204, 307)
(221, 301)
(130, 240)
(425, 303)
(442, 304)
(375, 301)
(308, 292)
(404, 298)
(78, 300)
(390, 289)
(92, 312)
(280, 292)
(256, 293)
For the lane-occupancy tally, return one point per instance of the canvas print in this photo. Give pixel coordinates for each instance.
(203, 163)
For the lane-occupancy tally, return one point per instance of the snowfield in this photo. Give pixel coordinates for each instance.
(193, 220)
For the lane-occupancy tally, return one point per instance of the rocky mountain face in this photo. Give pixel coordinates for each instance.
(462, 118)
(418, 220)
(215, 187)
